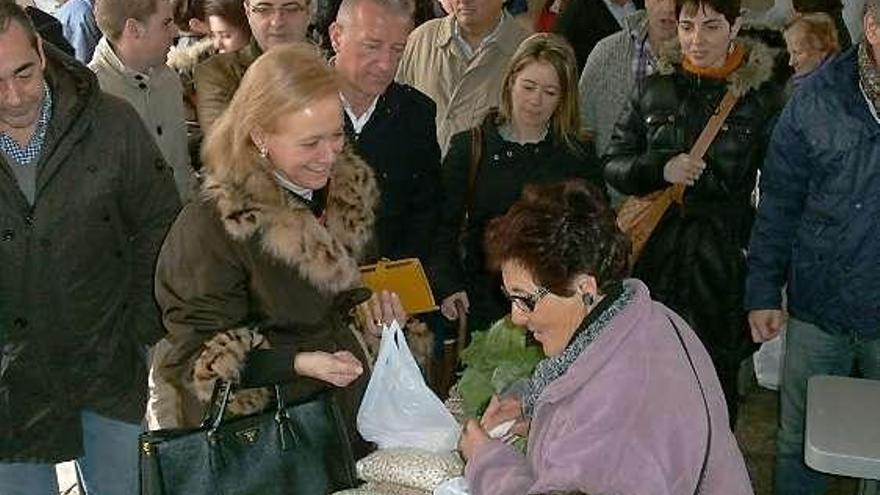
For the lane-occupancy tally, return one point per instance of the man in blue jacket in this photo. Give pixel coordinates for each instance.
(818, 230)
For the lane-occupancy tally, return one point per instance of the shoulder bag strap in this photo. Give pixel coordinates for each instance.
(704, 140)
(476, 157)
(702, 477)
(473, 170)
(698, 150)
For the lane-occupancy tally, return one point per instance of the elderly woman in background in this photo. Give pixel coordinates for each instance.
(694, 261)
(811, 40)
(627, 400)
(831, 8)
(533, 138)
(259, 272)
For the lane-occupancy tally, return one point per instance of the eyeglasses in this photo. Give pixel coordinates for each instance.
(267, 11)
(526, 303)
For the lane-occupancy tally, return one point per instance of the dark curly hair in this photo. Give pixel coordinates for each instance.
(558, 231)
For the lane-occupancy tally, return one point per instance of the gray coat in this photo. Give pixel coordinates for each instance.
(608, 80)
(76, 305)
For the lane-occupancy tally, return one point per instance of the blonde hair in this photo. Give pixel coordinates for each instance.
(284, 80)
(110, 15)
(554, 50)
(819, 29)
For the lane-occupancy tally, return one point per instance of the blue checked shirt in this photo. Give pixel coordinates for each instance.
(466, 49)
(29, 154)
(644, 63)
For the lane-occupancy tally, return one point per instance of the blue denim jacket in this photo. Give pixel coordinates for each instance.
(77, 19)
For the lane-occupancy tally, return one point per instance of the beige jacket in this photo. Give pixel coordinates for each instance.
(463, 90)
(158, 99)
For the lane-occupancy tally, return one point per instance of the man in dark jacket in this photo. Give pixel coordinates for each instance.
(584, 22)
(817, 230)
(49, 29)
(391, 125)
(85, 200)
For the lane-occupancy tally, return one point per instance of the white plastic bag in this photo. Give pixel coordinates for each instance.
(398, 409)
(454, 486)
(769, 360)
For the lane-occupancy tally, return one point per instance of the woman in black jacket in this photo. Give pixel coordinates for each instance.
(531, 138)
(695, 260)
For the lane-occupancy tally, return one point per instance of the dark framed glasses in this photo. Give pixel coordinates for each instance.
(266, 11)
(526, 302)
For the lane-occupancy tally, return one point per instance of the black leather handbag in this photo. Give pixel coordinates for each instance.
(300, 448)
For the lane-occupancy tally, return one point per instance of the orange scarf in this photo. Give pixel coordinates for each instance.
(734, 60)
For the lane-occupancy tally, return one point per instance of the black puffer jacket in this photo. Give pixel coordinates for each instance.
(695, 260)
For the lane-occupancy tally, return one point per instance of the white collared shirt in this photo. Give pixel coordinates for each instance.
(620, 11)
(300, 191)
(358, 123)
(506, 133)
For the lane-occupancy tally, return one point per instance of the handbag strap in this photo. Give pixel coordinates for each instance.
(220, 401)
(708, 134)
(702, 477)
(473, 170)
(716, 121)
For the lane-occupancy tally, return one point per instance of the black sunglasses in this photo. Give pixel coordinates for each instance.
(527, 302)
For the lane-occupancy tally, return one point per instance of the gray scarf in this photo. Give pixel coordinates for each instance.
(551, 368)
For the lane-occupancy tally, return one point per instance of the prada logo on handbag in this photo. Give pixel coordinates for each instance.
(248, 436)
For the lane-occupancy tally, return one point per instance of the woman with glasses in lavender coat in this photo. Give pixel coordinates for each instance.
(627, 401)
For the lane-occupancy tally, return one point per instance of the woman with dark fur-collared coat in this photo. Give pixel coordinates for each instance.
(261, 270)
(695, 260)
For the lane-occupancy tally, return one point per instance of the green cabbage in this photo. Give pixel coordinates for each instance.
(495, 359)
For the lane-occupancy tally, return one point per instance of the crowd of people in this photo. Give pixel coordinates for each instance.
(188, 189)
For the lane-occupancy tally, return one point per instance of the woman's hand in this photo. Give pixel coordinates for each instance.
(473, 436)
(501, 410)
(339, 368)
(382, 309)
(450, 309)
(683, 169)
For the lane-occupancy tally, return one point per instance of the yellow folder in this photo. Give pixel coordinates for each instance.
(407, 278)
